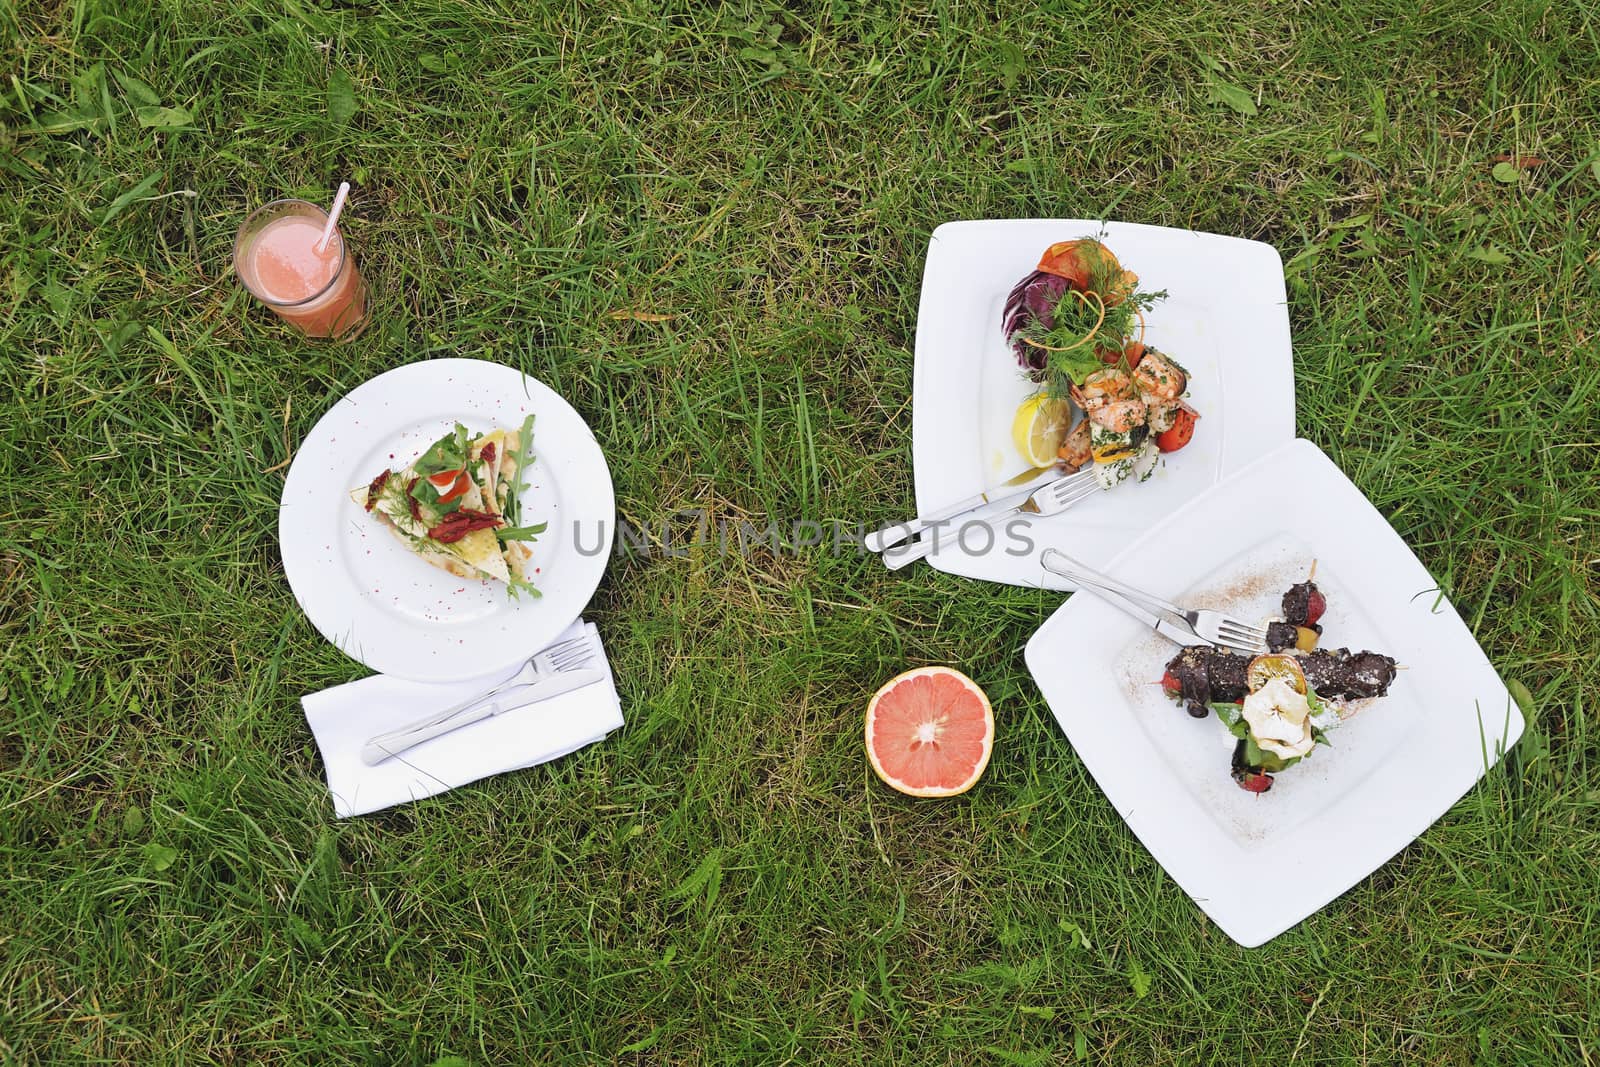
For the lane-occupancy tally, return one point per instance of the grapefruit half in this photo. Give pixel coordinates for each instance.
(930, 732)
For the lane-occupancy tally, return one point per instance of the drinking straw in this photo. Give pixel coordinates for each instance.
(333, 216)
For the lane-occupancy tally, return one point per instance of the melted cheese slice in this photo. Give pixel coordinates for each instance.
(481, 548)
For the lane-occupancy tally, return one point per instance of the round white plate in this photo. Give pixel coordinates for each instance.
(376, 600)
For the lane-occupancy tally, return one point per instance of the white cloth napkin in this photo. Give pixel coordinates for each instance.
(345, 717)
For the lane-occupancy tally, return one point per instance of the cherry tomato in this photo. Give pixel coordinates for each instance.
(1257, 782)
(449, 484)
(1170, 683)
(1182, 430)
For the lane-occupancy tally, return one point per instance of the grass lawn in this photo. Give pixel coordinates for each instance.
(724, 881)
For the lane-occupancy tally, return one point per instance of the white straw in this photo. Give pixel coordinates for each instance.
(333, 216)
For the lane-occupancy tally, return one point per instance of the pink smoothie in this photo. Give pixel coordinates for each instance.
(287, 263)
(283, 267)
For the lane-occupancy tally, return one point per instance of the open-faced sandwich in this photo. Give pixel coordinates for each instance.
(459, 505)
(1281, 705)
(1076, 327)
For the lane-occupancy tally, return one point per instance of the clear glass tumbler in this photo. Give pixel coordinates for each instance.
(319, 292)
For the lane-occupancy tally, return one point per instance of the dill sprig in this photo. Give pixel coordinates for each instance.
(1086, 330)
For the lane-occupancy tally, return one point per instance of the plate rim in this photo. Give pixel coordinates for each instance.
(297, 552)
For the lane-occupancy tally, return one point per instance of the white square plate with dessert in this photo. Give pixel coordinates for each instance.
(1258, 863)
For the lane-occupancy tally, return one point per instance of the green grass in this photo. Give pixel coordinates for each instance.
(723, 881)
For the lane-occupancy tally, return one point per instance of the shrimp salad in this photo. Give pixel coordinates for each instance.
(1076, 326)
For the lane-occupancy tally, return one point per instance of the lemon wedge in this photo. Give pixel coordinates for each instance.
(1039, 427)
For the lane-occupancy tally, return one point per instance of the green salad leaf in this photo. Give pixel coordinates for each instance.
(1074, 366)
(524, 459)
(516, 587)
(1232, 716)
(448, 453)
(430, 506)
(1270, 762)
(521, 533)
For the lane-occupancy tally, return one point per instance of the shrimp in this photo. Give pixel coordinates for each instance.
(1119, 416)
(1109, 399)
(1102, 387)
(1159, 379)
(1074, 451)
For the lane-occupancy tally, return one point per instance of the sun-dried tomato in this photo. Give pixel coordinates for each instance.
(416, 509)
(459, 523)
(375, 487)
(487, 455)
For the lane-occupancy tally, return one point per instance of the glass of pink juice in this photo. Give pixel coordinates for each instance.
(318, 292)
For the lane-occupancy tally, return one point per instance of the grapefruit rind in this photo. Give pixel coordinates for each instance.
(932, 790)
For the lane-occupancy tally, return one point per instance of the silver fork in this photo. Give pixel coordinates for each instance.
(1050, 499)
(1213, 626)
(1009, 494)
(567, 656)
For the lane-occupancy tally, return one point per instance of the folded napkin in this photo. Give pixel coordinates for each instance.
(345, 717)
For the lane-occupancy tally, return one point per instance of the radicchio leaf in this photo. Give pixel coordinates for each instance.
(1033, 300)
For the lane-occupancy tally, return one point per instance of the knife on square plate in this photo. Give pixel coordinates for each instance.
(1173, 630)
(380, 748)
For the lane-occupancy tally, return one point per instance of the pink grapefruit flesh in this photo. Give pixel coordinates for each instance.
(930, 732)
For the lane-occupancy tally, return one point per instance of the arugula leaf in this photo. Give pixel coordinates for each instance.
(513, 508)
(517, 587)
(521, 533)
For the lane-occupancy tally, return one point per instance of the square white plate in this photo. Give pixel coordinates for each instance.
(1389, 771)
(1225, 319)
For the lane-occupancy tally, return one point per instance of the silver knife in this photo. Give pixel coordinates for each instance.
(380, 748)
(1173, 630)
(1001, 495)
(1051, 498)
